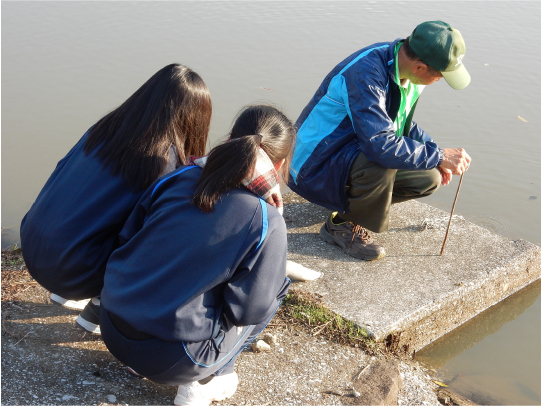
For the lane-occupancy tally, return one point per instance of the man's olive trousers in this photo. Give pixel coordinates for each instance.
(371, 190)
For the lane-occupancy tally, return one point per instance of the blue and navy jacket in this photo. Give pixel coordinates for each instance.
(179, 270)
(71, 229)
(353, 111)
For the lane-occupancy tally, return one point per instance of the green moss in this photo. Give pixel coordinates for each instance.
(325, 322)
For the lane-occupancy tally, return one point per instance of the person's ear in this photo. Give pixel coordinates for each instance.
(278, 165)
(419, 67)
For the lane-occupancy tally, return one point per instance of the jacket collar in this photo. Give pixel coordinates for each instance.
(391, 63)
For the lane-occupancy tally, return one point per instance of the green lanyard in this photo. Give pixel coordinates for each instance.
(408, 96)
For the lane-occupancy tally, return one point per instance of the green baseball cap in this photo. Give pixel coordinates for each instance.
(441, 47)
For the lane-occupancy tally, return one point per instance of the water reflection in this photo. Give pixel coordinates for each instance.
(494, 390)
(493, 379)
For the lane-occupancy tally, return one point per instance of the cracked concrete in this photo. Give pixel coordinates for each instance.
(413, 294)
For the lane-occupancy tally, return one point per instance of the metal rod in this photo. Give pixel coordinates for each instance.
(451, 216)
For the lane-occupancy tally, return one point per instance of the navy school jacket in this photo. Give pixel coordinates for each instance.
(71, 229)
(353, 111)
(179, 270)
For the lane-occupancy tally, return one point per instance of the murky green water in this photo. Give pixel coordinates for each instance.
(66, 64)
(494, 359)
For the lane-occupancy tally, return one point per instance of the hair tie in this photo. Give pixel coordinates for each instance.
(260, 138)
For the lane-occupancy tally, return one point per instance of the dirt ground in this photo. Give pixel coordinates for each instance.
(47, 360)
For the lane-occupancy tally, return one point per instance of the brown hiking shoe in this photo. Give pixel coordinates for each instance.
(352, 238)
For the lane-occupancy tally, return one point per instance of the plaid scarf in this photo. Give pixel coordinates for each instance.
(264, 182)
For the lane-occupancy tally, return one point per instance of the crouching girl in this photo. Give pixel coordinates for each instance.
(201, 266)
(72, 227)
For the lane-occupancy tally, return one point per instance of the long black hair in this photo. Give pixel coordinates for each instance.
(172, 108)
(229, 163)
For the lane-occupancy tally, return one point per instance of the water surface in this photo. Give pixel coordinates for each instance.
(66, 64)
(479, 358)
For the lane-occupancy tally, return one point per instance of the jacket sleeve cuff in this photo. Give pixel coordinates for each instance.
(440, 156)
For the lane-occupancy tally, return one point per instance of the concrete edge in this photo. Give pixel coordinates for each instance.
(460, 305)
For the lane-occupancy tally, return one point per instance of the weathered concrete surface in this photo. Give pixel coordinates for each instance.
(413, 293)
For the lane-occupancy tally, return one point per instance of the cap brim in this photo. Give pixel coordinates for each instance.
(458, 78)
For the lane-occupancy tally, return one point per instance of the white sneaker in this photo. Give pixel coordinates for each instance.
(298, 272)
(89, 318)
(70, 304)
(219, 388)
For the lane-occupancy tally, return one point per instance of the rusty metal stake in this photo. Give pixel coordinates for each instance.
(451, 216)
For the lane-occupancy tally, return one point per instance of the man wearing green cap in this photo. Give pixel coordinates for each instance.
(358, 149)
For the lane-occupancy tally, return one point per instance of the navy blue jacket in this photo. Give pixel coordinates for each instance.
(179, 270)
(353, 111)
(70, 230)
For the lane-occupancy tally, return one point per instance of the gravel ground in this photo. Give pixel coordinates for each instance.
(47, 360)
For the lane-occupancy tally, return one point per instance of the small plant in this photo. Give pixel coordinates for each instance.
(305, 310)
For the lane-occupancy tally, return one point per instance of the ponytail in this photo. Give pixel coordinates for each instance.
(229, 164)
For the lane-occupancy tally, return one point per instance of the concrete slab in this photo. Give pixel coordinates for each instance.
(413, 293)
